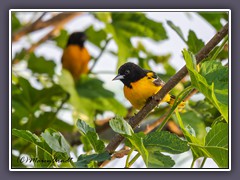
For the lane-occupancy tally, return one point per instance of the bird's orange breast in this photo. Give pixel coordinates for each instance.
(140, 92)
(75, 59)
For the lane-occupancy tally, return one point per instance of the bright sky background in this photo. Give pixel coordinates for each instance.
(174, 45)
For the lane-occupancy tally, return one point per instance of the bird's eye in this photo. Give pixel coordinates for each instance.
(127, 72)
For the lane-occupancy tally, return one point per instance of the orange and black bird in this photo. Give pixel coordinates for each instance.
(141, 84)
(75, 56)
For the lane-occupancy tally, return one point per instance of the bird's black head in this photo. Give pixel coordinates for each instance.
(130, 72)
(77, 38)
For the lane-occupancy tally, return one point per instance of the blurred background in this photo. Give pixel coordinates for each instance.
(153, 40)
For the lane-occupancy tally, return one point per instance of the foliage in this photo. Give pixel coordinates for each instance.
(215, 144)
(212, 81)
(151, 145)
(43, 137)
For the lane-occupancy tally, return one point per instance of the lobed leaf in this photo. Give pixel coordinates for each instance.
(164, 141)
(158, 160)
(84, 160)
(121, 126)
(40, 65)
(124, 26)
(61, 39)
(216, 144)
(56, 141)
(206, 83)
(96, 36)
(214, 18)
(92, 137)
(177, 30)
(194, 44)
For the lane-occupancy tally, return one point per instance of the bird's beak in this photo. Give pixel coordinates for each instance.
(118, 77)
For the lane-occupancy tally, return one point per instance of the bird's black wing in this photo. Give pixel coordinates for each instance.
(157, 80)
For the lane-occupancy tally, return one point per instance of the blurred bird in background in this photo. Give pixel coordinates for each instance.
(75, 56)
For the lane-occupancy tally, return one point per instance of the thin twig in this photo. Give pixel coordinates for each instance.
(39, 24)
(100, 54)
(156, 123)
(174, 80)
(49, 35)
(119, 154)
(40, 17)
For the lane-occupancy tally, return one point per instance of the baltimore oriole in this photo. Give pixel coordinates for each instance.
(141, 84)
(75, 56)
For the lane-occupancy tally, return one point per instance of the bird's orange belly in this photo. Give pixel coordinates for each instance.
(75, 59)
(140, 92)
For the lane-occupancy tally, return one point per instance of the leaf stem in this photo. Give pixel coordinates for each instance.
(203, 162)
(184, 94)
(220, 48)
(192, 164)
(128, 157)
(133, 159)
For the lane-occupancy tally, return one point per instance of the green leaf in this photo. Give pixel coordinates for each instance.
(84, 160)
(190, 138)
(103, 16)
(126, 25)
(21, 55)
(27, 136)
(214, 18)
(16, 24)
(40, 65)
(101, 99)
(206, 84)
(97, 144)
(82, 105)
(56, 141)
(95, 37)
(91, 135)
(44, 151)
(206, 110)
(89, 96)
(137, 24)
(164, 141)
(212, 70)
(158, 160)
(196, 122)
(84, 128)
(28, 100)
(216, 144)
(121, 126)
(137, 142)
(49, 120)
(177, 30)
(161, 58)
(194, 44)
(86, 144)
(61, 39)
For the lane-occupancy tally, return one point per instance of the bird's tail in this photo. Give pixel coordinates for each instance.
(171, 102)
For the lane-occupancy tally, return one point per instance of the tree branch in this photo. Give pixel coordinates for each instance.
(174, 80)
(39, 24)
(50, 34)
